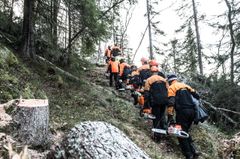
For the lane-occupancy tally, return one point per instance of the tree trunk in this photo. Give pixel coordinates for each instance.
(55, 22)
(11, 11)
(32, 118)
(28, 30)
(230, 25)
(199, 47)
(99, 140)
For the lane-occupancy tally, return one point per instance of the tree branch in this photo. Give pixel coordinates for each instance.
(100, 17)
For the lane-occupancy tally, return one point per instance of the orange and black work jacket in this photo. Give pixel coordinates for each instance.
(144, 71)
(149, 82)
(122, 66)
(108, 52)
(113, 67)
(180, 102)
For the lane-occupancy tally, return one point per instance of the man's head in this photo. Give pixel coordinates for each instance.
(144, 60)
(109, 47)
(154, 69)
(153, 63)
(171, 78)
(122, 61)
(113, 59)
(134, 68)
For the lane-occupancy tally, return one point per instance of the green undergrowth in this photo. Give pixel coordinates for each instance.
(15, 78)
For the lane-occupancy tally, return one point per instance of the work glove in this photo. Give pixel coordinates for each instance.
(170, 120)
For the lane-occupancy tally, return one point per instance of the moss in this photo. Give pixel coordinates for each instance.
(11, 60)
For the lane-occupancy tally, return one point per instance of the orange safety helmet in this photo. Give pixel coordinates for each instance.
(153, 63)
(144, 59)
(154, 69)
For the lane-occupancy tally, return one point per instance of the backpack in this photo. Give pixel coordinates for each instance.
(159, 93)
(183, 99)
(115, 52)
(201, 113)
(126, 71)
(145, 74)
(135, 80)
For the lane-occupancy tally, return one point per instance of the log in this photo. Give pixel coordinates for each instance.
(95, 140)
(32, 118)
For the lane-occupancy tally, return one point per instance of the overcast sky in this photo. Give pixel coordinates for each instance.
(170, 21)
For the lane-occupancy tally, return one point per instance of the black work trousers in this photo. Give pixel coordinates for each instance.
(185, 118)
(159, 112)
(114, 76)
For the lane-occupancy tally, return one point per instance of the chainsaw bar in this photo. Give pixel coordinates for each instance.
(177, 133)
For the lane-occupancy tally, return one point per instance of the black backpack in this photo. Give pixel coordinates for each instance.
(183, 99)
(135, 80)
(126, 71)
(159, 93)
(145, 74)
(115, 52)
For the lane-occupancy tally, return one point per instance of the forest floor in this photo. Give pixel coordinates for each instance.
(91, 99)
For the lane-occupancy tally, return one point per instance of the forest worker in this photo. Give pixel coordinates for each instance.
(156, 97)
(108, 53)
(135, 82)
(113, 68)
(144, 70)
(123, 73)
(180, 100)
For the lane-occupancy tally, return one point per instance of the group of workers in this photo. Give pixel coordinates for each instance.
(163, 97)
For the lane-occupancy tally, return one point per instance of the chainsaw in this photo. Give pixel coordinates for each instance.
(172, 131)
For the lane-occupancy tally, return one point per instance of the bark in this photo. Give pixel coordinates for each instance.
(32, 120)
(55, 22)
(28, 50)
(11, 11)
(199, 47)
(230, 25)
(149, 31)
(99, 140)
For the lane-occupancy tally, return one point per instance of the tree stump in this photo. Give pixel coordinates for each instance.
(32, 118)
(97, 140)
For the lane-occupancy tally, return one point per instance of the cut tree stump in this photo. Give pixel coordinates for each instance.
(98, 140)
(32, 118)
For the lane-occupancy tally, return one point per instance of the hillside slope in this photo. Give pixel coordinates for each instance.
(91, 99)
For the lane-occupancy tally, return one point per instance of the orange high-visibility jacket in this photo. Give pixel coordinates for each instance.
(114, 67)
(122, 66)
(172, 90)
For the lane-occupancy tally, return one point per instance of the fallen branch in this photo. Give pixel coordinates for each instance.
(69, 75)
(223, 113)
(230, 111)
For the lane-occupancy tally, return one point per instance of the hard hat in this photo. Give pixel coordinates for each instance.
(154, 69)
(144, 59)
(153, 63)
(171, 77)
